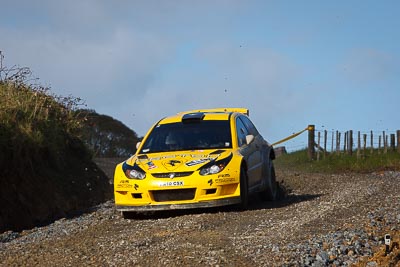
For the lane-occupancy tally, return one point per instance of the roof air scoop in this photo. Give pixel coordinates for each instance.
(198, 116)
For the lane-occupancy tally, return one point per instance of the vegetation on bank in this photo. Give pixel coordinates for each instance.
(34, 124)
(107, 137)
(333, 163)
(46, 170)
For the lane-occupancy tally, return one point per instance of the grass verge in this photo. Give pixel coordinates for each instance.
(333, 163)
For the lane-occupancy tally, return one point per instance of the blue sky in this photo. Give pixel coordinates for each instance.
(334, 64)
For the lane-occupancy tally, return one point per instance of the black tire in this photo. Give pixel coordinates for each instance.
(128, 214)
(272, 190)
(244, 189)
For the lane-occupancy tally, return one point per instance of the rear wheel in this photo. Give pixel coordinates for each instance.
(244, 189)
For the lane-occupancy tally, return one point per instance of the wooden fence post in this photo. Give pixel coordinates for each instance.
(311, 142)
(318, 146)
(337, 142)
(359, 144)
(392, 142)
(385, 144)
(398, 141)
(345, 142)
(325, 141)
(333, 134)
(379, 144)
(364, 143)
(350, 145)
(372, 142)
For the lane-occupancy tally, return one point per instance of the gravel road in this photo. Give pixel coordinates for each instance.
(322, 220)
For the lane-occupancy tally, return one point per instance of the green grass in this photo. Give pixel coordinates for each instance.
(28, 109)
(298, 161)
(34, 125)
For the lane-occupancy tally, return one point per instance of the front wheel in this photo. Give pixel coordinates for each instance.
(128, 214)
(271, 192)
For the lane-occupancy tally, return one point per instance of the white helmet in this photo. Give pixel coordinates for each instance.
(171, 139)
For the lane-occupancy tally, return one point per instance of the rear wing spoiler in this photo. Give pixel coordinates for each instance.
(216, 110)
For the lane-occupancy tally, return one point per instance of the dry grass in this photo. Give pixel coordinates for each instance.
(34, 124)
(298, 161)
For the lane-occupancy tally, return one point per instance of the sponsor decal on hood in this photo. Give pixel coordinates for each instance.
(178, 161)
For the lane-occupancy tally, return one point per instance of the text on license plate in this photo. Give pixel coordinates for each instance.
(171, 183)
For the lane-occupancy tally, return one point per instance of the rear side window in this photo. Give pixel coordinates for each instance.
(249, 125)
(241, 132)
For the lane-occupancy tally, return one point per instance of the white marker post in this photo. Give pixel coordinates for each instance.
(387, 243)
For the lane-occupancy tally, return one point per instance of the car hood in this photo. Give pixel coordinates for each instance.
(178, 161)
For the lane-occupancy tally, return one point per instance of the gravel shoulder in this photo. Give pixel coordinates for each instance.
(322, 220)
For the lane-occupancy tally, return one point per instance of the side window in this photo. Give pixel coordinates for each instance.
(249, 125)
(241, 132)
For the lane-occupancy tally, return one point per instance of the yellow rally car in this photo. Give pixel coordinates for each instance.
(196, 159)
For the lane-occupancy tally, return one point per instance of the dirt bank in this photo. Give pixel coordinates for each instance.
(48, 187)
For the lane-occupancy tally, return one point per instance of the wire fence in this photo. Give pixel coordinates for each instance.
(343, 142)
(333, 141)
(350, 142)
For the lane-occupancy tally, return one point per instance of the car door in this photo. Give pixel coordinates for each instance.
(251, 152)
(260, 146)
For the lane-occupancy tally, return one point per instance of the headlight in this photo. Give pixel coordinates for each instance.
(212, 170)
(133, 172)
(214, 167)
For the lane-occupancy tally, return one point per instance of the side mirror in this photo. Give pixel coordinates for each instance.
(249, 138)
(137, 145)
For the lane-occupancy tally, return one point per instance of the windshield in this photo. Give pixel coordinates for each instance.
(203, 134)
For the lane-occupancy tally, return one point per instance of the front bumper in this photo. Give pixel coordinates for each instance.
(201, 204)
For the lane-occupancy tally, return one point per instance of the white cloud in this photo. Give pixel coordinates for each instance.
(229, 76)
(126, 62)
